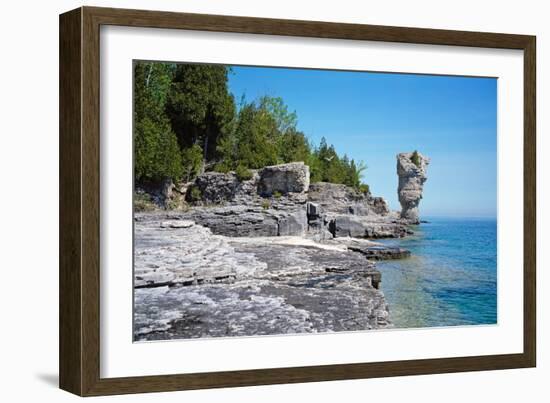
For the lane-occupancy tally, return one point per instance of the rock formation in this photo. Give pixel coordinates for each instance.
(412, 172)
(191, 283)
(283, 179)
(272, 254)
(278, 200)
(253, 221)
(215, 187)
(343, 199)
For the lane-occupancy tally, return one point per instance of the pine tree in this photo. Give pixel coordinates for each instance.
(200, 106)
(157, 155)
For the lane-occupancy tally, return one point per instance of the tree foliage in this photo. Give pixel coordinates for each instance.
(186, 121)
(327, 166)
(157, 154)
(415, 158)
(200, 106)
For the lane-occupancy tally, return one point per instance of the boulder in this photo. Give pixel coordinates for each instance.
(284, 179)
(215, 187)
(411, 183)
(221, 188)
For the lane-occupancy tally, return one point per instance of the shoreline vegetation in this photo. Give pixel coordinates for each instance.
(187, 122)
(242, 226)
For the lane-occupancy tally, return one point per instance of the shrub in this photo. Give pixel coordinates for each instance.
(195, 194)
(243, 173)
(143, 202)
(266, 204)
(277, 194)
(415, 158)
(192, 161)
(157, 154)
(222, 167)
(172, 204)
(364, 188)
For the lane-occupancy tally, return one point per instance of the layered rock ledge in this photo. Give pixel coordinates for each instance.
(191, 283)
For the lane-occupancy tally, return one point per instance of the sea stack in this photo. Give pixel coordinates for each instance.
(412, 172)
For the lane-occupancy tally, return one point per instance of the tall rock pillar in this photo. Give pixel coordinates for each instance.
(412, 172)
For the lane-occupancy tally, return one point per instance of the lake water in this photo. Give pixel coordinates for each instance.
(451, 277)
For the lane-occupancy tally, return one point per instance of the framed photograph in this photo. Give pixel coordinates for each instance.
(249, 201)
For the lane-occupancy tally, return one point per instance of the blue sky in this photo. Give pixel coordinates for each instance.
(374, 116)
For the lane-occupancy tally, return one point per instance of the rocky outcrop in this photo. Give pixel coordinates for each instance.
(253, 221)
(272, 254)
(214, 187)
(283, 179)
(318, 225)
(342, 199)
(412, 172)
(366, 227)
(381, 252)
(379, 205)
(190, 283)
(178, 252)
(288, 182)
(279, 201)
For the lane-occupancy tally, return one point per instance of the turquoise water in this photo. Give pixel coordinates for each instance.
(451, 277)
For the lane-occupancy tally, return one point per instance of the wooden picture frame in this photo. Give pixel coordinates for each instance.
(79, 348)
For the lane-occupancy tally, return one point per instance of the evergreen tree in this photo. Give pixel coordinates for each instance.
(200, 106)
(185, 121)
(255, 138)
(294, 147)
(156, 151)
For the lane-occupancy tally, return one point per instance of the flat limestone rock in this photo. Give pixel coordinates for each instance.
(245, 221)
(366, 227)
(184, 255)
(190, 283)
(381, 252)
(372, 250)
(177, 224)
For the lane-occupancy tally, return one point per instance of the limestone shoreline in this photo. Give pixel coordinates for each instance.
(272, 254)
(191, 283)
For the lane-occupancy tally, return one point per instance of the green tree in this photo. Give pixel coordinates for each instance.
(275, 107)
(264, 133)
(353, 172)
(157, 155)
(327, 166)
(255, 138)
(186, 121)
(192, 161)
(200, 106)
(294, 146)
(415, 158)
